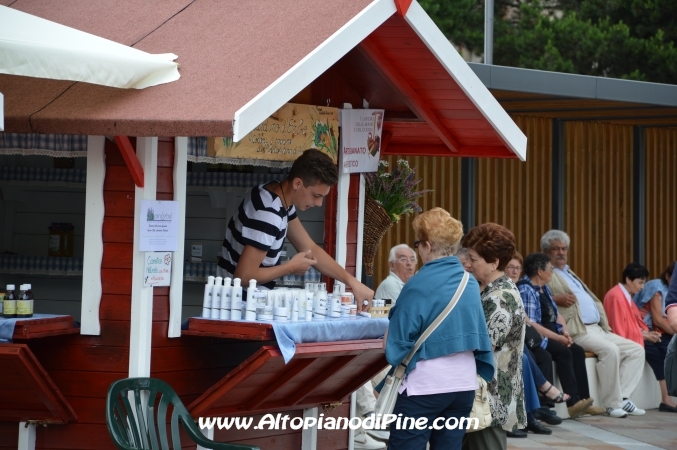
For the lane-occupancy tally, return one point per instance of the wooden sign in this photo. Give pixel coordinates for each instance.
(284, 135)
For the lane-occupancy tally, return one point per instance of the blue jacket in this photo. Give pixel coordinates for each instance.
(422, 299)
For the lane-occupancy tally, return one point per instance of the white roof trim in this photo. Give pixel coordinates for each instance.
(312, 66)
(459, 70)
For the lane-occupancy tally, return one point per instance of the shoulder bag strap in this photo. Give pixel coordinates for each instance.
(443, 315)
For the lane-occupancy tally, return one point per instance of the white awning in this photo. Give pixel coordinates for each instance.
(35, 47)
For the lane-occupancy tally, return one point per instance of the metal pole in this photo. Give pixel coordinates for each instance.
(489, 32)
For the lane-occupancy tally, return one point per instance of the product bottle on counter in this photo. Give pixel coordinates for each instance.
(225, 299)
(9, 302)
(236, 300)
(250, 307)
(216, 298)
(207, 300)
(24, 304)
(282, 281)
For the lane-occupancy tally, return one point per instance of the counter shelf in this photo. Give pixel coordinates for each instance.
(319, 374)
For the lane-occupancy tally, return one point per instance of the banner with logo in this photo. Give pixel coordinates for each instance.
(361, 139)
(284, 136)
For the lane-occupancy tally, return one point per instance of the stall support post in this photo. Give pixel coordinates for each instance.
(176, 284)
(209, 434)
(142, 296)
(26, 436)
(95, 211)
(309, 436)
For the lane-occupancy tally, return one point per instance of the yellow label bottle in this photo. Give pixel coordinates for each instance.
(9, 302)
(24, 305)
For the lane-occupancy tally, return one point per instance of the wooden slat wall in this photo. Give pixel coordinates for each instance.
(661, 186)
(443, 175)
(517, 194)
(598, 201)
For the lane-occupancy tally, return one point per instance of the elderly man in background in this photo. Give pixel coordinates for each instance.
(620, 361)
(402, 262)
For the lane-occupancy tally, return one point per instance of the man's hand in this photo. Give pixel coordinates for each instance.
(361, 293)
(565, 300)
(569, 341)
(301, 262)
(651, 336)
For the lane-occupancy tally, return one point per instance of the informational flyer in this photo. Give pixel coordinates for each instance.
(157, 269)
(159, 226)
(361, 131)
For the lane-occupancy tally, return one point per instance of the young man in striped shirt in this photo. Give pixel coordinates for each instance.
(267, 215)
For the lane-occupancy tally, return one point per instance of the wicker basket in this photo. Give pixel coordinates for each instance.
(376, 223)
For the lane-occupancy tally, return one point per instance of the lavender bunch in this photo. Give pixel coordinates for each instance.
(395, 191)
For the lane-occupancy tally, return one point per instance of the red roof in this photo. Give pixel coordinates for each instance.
(240, 61)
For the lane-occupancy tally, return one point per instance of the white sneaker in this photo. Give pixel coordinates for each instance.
(616, 412)
(363, 441)
(381, 435)
(631, 409)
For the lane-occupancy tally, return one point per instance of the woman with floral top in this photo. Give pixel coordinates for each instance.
(490, 248)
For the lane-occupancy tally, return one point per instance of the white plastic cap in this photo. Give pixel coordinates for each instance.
(236, 282)
(210, 279)
(252, 284)
(218, 280)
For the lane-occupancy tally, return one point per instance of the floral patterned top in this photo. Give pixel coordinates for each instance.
(504, 312)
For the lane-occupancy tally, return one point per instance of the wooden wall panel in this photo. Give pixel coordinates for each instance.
(517, 194)
(443, 175)
(661, 186)
(598, 201)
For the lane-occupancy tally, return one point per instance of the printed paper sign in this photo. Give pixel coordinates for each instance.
(157, 270)
(159, 226)
(361, 139)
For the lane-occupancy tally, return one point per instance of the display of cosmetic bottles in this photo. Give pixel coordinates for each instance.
(225, 299)
(217, 291)
(207, 299)
(236, 301)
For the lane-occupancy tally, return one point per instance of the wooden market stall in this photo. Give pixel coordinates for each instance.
(239, 64)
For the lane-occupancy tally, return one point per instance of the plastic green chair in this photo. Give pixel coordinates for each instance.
(150, 433)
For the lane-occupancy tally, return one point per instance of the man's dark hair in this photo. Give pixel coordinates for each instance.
(535, 262)
(634, 271)
(314, 167)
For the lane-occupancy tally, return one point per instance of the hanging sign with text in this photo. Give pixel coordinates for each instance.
(157, 270)
(361, 139)
(283, 136)
(159, 226)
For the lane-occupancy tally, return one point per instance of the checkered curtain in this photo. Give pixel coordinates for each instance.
(54, 145)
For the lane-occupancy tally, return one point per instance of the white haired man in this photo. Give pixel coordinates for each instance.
(620, 361)
(402, 262)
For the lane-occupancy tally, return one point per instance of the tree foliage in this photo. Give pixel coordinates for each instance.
(631, 39)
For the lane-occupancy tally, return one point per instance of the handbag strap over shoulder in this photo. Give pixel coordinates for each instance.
(443, 315)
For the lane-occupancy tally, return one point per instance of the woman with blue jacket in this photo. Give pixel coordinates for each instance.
(441, 378)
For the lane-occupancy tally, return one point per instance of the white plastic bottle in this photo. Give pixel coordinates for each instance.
(216, 298)
(225, 299)
(236, 301)
(250, 311)
(207, 300)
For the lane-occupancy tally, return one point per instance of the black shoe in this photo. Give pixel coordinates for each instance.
(537, 428)
(517, 434)
(549, 417)
(667, 408)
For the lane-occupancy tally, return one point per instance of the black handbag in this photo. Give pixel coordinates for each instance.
(532, 337)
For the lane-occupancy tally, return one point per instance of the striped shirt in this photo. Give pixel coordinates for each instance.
(261, 221)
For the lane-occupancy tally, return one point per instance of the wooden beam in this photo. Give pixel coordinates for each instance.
(441, 150)
(402, 7)
(372, 53)
(386, 137)
(129, 155)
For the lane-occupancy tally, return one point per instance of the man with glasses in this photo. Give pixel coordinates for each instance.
(402, 263)
(620, 361)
